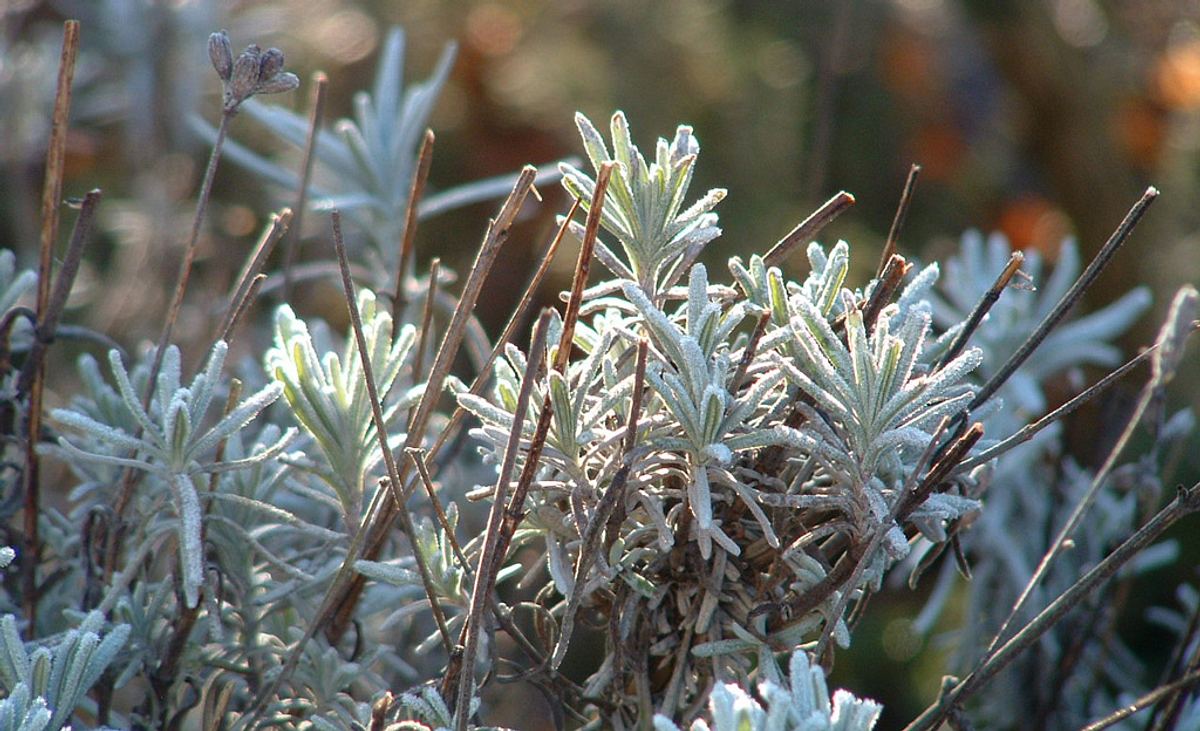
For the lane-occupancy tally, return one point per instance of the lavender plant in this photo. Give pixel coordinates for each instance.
(172, 446)
(708, 480)
(328, 396)
(47, 685)
(1002, 563)
(803, 704)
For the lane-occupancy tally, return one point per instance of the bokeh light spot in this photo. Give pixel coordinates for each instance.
(1178, 76)
(1080, 23)
(346, 36)
(493, 29)
(780, 65)
(900, 642)
(239, 220)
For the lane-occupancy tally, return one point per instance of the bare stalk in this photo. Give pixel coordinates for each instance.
(48, 319)
(983, 307)
(238, 299)
(1064, 305)
(464, 667)
(404, 261)
(893, 237)
(1187, 502)
(189, 252)
(320, 84)
(1147, 700)
(389, 460)
(808, 228)
(435, 268)
(51, 196)
(418, 458)
(1027, 432)
(1149, 391)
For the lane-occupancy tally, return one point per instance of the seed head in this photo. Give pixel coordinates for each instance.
(220, 52)
(254, 71)
(270, 64)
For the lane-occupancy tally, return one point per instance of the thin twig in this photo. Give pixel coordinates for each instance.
(189, 253)
(807, 229)
(518, 316)
(464, 667)
(886, 285)
(242, 305)
(418, 459)
(404, 261)
(1027, 432)
(1145, 701)
(513, 514)
(1187, 502)
(435, 268)
(893, 237)
(1161, 718)
(496, 236)
(51, 197)
(389, 460)
(751, 349)
(520, 310)
(279, 225)
(943, 467)
(48, 319)
(343, 595)
(1168, 713)
(605, 507)
(317, 106)
(582, 267)
(1068, 529)
(983, 307)
(1064, 305)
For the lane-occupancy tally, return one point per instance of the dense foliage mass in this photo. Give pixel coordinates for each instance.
(706, 476)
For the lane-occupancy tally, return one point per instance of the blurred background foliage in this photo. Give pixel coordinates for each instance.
(1038, 118)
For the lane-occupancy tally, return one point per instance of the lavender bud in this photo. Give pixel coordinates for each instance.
(220, 52)
(244, 77)
(280, 82)
(270, 64)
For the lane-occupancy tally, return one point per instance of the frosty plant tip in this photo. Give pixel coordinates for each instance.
(643, 209)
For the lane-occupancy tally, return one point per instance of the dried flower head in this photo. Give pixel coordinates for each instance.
(254, 71)
(220, 52)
